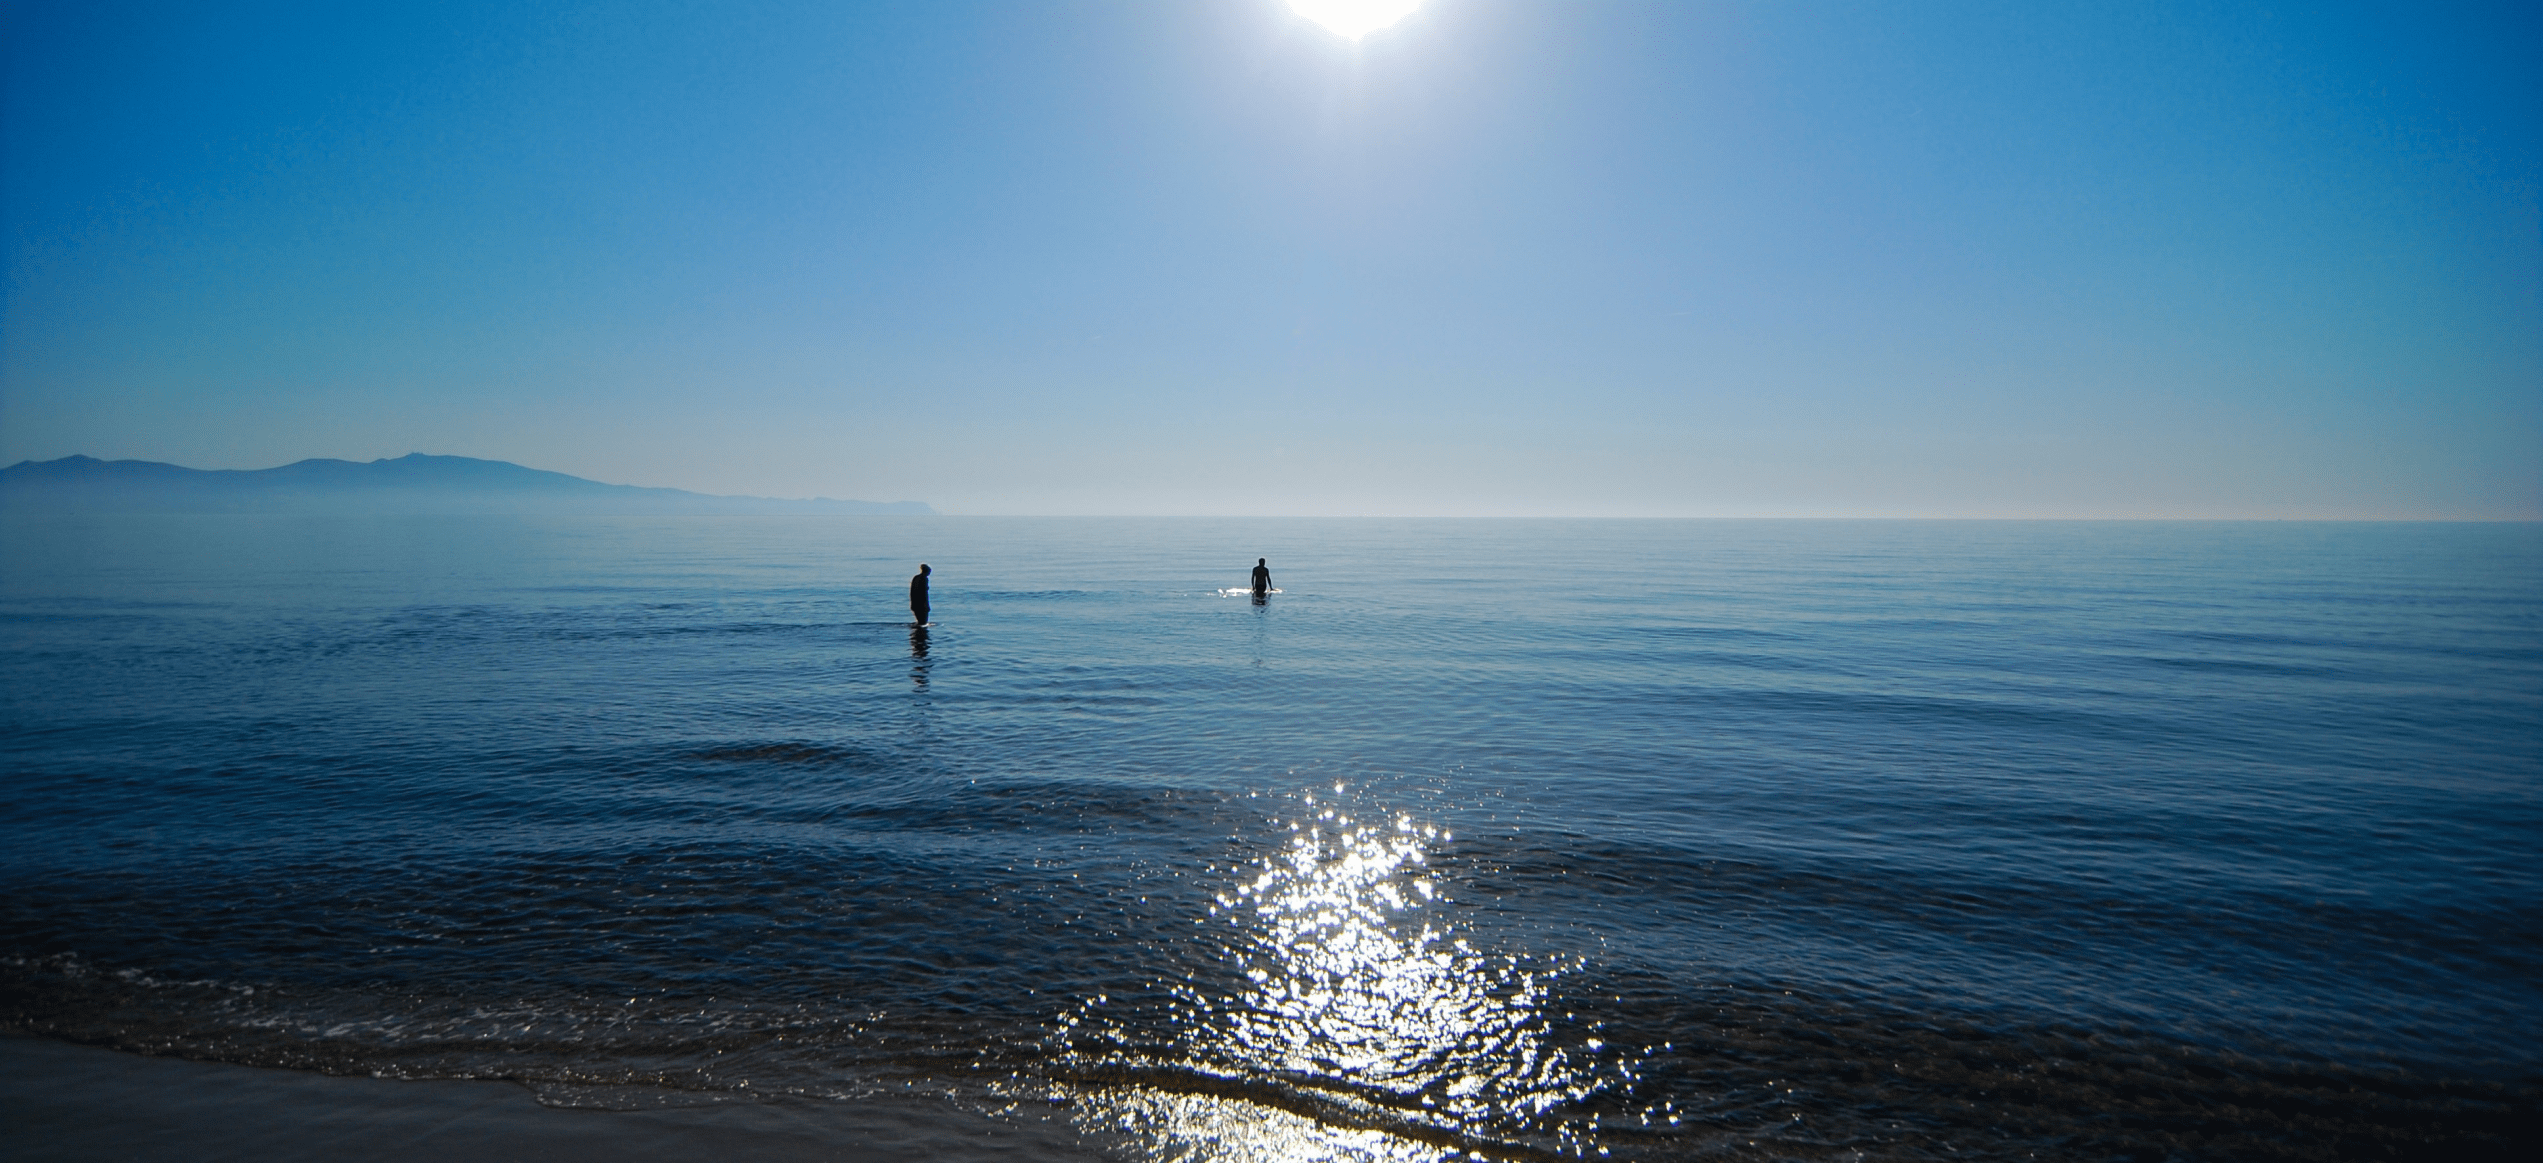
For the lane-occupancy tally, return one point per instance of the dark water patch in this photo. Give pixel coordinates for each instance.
(1749, 1063)
(792, 754)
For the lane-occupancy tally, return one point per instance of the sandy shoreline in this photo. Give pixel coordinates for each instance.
(63, 1101)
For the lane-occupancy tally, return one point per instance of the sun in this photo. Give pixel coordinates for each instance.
(1355, 18)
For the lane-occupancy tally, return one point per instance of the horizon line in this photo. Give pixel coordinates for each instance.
(939, 510)
(2214, 520)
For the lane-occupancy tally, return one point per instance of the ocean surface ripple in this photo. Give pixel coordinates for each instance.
(1521, 840)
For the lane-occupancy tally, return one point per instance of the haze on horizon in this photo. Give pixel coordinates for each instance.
(1499, 258)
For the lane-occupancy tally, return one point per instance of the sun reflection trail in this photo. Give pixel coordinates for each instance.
(1360, 1028)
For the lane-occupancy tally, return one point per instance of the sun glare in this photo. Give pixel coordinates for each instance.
(1355, 18)
(1363, 1029)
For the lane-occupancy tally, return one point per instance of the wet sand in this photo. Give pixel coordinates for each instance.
(62, 1101)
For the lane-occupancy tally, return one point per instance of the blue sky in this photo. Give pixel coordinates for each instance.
(1600, 259)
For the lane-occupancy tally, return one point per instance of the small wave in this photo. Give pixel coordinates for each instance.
(797, 754)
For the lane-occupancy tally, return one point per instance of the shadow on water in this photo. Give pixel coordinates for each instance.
(1262, 634)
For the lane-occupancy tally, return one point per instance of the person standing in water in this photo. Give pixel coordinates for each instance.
(1262, 578)
(918, 595)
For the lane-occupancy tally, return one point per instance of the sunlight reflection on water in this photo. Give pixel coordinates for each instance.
(1364, 1028)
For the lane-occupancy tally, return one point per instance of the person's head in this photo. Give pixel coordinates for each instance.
(1262, 561)
(922, 569)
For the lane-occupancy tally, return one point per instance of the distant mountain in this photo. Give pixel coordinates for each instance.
(415, 483)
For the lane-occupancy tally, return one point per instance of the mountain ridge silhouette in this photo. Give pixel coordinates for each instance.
(416, 482)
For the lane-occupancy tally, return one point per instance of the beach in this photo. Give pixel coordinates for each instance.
(67, 1102)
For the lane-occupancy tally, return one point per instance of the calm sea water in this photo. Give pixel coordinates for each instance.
(1636, 839)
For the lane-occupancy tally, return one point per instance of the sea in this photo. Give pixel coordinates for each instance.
(1479, 839)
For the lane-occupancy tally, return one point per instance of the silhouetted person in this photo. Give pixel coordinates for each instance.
(918, 596)
(1262, 579)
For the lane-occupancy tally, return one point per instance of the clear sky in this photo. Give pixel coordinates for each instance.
(1204, 256)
